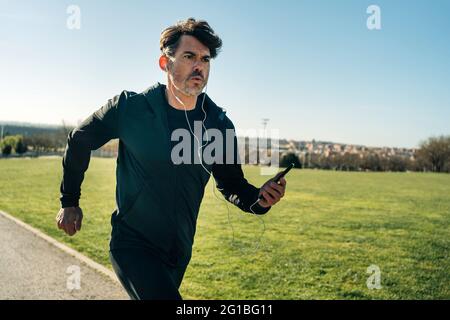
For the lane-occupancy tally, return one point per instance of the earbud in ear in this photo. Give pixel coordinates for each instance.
(163, 62)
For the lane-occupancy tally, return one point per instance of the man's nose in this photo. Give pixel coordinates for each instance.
(198, 68)
(199, 65)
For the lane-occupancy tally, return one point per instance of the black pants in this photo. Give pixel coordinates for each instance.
(144, 276)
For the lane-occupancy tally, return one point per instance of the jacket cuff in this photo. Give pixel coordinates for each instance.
(260, 210)
(67, 201)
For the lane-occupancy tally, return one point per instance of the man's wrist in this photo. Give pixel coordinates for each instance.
(258, 209)
(67, 202)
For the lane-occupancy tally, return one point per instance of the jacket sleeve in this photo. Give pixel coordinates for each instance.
(231, 183)
(91, 134)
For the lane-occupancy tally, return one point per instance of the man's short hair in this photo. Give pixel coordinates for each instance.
(170, 37)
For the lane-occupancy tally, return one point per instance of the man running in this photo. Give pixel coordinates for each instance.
(157, 195)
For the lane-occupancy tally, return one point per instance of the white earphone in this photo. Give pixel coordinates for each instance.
(201, 161)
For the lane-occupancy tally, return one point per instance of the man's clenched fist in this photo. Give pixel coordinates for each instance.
(69, 219)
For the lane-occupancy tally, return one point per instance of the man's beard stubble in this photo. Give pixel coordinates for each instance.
(185, 89)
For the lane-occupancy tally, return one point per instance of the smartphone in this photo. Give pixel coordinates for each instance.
(280, 175)
(284, 172)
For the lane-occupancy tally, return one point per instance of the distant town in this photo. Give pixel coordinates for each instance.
(433, 154)
(305, 148)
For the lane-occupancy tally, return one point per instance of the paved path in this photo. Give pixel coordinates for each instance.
(33, 268)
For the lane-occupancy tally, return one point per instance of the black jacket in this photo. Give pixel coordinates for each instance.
(145, 173)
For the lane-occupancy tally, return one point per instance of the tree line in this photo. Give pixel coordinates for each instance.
(36, 141)
(432, 155)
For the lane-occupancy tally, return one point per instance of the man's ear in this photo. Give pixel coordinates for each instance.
(163, 63)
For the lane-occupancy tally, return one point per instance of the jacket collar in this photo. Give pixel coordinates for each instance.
(156, 102)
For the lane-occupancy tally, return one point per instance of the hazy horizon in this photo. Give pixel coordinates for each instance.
(19, 123)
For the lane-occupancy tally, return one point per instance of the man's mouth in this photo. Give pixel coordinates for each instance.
(196, 78)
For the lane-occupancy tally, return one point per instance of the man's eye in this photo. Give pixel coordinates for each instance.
(188, 56)
(206, 59)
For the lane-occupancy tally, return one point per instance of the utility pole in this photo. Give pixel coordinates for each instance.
(264, 123)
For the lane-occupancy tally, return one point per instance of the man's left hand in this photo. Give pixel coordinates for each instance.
(272, 192)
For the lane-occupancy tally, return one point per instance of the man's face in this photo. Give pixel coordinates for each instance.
(189, 69)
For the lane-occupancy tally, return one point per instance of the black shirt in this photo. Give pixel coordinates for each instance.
(189, 176)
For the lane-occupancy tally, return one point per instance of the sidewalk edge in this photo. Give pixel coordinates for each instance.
(87, 261)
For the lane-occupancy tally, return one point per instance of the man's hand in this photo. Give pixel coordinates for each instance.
(272, 192)
(69, 219)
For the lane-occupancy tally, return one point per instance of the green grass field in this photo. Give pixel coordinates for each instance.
(318, 243)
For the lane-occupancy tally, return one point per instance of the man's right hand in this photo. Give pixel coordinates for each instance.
(69, 219)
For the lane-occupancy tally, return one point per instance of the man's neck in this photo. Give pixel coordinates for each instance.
(188, 102)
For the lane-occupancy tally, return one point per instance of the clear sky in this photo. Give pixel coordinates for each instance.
(312, 67)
